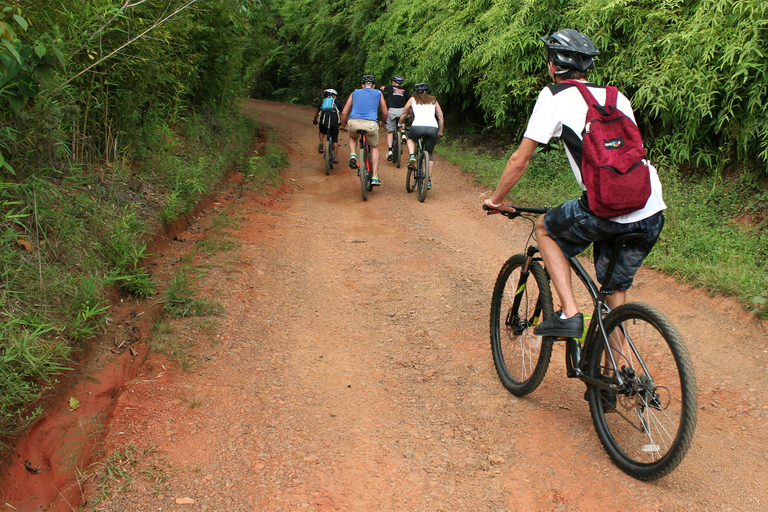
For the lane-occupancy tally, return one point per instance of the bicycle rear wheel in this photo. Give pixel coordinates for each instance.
(396, 148)
(328, 155)
(520, 357)
(423, 175)
(652, 427)
(362, 167)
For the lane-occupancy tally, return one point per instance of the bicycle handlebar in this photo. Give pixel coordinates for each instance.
(518, 210)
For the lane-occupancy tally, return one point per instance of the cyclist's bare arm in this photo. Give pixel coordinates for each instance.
(513, 171)
(440, 119)
(383, 107)
(345, 114)
(406, 111)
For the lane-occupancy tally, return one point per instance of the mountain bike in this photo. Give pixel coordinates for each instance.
(365, 171)
(328, 154)
(398, 143)
(640, 381)
(418, 178)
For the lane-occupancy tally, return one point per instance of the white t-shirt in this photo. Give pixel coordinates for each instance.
(424, 115)
(561, 111)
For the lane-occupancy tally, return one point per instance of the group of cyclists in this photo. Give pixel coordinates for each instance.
(560, 111)
(366, 110)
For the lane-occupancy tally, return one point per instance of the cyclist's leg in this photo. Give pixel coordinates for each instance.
(631, 257)
(393, 117)
(372, 134)
(413, 135)
(321, 134)
(354, 125)
(429, 145)
(558, 267)
(334, 134)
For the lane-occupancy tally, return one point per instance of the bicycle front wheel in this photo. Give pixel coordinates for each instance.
(520, 301)
(410, 180)
(423, 175)
(362, 167)
(652, 427)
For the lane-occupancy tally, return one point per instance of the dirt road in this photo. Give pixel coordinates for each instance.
(352, 370)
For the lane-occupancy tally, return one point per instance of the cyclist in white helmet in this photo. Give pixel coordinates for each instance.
(329, 114)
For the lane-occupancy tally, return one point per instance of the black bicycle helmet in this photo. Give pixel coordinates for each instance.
(421, 87)
(330, 92)
(398, 79)
(569, 49)
(368, 79)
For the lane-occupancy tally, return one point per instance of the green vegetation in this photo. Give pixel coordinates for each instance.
(116, 118)
(695, 71)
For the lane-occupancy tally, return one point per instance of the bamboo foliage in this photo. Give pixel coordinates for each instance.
(97, 72)
(695, 71)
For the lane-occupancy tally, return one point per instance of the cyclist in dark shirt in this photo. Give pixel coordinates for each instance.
(396, 100)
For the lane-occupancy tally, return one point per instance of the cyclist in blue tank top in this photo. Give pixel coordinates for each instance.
(361, 113)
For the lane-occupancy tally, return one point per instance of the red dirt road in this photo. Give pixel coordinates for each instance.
(352, 369)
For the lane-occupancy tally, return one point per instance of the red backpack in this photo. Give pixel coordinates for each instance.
(614, 165)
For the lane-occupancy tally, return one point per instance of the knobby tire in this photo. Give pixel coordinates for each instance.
(654, 421)
(520, 357)
(362, 167)
(328, 155)
(423, 175)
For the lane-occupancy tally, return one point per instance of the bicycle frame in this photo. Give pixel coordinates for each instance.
(576, 355)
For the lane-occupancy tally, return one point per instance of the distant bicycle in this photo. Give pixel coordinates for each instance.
(640, 381)
(328, 155)
(365, 171)
(398, 143)
(418, 178)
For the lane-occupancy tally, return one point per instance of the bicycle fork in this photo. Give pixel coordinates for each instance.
(513, 319)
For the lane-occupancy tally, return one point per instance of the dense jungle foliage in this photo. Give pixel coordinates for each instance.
(695, 70)
(117, 116)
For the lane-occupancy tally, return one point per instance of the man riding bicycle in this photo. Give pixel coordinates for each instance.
(396, 99)
(329, 112)
(361, 113)
(567, 230)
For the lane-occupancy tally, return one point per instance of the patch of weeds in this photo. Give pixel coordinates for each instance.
(229, 219)
(263, 170)
(217, 241)
(207, 326)
(180, 300)
(29, 358)
(192, 401)
(165, 340)
(119, 472)
(116, 473)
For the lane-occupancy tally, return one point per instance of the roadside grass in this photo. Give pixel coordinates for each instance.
(715, 236)
(120, 471)
(69, 236)
(265, 169)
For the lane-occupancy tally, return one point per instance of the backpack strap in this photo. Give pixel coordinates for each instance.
(611, 96)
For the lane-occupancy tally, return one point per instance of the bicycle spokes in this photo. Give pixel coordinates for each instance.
(655, 412)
